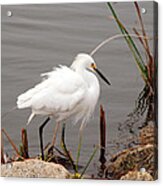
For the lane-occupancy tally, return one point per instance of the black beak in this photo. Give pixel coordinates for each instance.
(102, 76)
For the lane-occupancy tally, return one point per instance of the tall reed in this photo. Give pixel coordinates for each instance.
(146, 67)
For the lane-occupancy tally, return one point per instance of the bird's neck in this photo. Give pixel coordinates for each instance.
(77, 67)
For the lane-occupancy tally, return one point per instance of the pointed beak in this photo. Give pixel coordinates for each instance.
(94, 67)
(102, 76)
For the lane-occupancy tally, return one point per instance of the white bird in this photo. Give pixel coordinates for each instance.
(65, 92)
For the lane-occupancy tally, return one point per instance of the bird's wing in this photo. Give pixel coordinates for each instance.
(61, 91)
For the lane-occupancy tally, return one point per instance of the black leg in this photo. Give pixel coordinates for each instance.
(40, 134)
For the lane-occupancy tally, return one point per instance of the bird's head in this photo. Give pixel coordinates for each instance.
(85, 61)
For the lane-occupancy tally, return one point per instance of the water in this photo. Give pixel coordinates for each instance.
(37, 37)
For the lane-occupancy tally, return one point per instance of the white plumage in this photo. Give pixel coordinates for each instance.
(64, 92)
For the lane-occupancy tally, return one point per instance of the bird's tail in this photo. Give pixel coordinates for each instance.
(8, 112)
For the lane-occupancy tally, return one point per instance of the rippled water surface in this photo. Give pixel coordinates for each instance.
(38, 37)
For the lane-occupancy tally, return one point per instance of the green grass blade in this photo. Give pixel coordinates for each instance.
(89, 161)
(79, 150)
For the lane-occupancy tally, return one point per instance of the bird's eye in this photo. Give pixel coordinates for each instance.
(93, 65)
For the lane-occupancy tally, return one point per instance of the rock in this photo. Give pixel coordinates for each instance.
(137, 175)
(142, 156)
(34, 168)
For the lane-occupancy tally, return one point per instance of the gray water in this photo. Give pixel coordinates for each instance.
(38, 37)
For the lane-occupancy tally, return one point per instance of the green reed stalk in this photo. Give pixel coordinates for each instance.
(135, 52)
(89, 161)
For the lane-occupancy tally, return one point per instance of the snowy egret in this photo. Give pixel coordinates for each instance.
(65, 92)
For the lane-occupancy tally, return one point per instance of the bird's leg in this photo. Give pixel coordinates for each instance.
(40, 135)
(55, 133)
(67, 153)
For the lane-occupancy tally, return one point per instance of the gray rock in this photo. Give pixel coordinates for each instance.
(34, 168)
